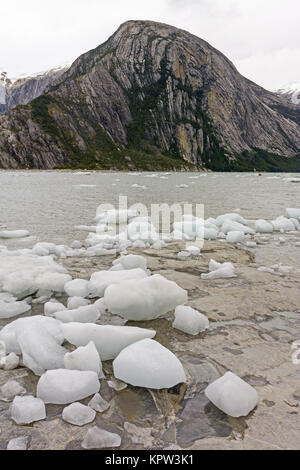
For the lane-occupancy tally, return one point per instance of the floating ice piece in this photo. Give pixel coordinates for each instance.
(102, 279)
(84, 358)
(67, 386)
(131, 262)
(10, 390)
(293, 213)
(108, 339)
(219, 271)
(26, 410)
(14, 234)
(97, 438)
(282, 224)
(232, 395)
(235, 237)
(77, 287)
(232, 226)
(230, 217)
(13, 309)
(262, 226)
(98, 404)
(190, 321)
(148, 364)
(19, 443)
(144, 299)
(76, 302)
(78, 414)
(53, 306)
(9, 362)
(88, 314)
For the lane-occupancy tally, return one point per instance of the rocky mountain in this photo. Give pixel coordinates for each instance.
(153, 96)
(291, 92)
(25, 89)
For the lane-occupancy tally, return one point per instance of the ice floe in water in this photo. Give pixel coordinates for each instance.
(235, 237)
(149, 364)
(108, 339)
(232, 395)
(144, 299)
(293, 213)
(26, 410)
(14, 233)
(65, 386)
(262, 226)
(190, 321)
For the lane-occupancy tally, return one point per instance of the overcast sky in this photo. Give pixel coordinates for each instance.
(261, 37)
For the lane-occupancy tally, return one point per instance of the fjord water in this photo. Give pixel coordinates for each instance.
(51, 203)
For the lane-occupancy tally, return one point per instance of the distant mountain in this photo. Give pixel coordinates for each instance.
(25, 89)
(153, 97)
(291, 92)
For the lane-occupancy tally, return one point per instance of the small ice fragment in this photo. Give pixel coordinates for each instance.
(9, 362)
(98, 403)
(235, 237)
(19, 443)
(66, 386)
(97, 438)
(117, 385)
(53, 306)
(232, 395)
(78, 414)
(262, 226)
(190, 321)
(184, 254)
(219, 271)
(26, 410)
(194, 250)
(148, 364)
(88, 314)
(76, 302)
(10, 390)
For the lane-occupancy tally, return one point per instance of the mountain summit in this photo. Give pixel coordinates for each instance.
(153, 96)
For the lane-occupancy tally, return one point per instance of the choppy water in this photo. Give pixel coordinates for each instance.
(50, 203)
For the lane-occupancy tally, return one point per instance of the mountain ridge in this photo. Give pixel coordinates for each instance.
(153, 94)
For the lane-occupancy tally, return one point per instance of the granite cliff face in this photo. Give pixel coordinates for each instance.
(153, 96)
(24, 90)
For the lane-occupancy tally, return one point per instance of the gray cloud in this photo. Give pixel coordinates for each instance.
(262, 38)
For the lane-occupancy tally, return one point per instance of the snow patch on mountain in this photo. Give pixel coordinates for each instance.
(291, 92)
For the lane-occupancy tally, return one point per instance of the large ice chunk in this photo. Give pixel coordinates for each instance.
(149, 364)
(282, 224)
(78, 414)
(67, 386)
(190, 321)
(144, 299)
(235, 237)
(232, 395)
(88, 314)
(102, 279)
(26, 410)
(108, 339)
(232, 226)
(84, 358)
(230, 217)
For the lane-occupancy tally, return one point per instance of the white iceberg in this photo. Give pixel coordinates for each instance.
(65, 386)
(144, 299)
(190, 321)
(232, 395)
(148, 364)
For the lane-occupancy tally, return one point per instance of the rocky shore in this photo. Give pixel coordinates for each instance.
(253, 324)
